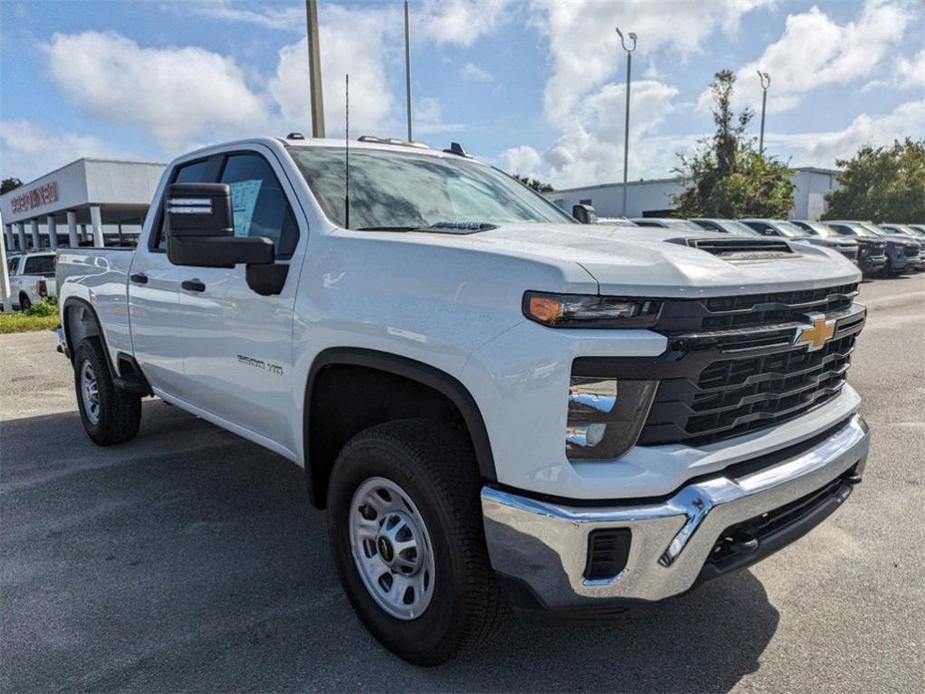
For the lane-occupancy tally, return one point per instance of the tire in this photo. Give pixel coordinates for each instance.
(433, 469)
(109, 415)
(888, 268)
(24, 302)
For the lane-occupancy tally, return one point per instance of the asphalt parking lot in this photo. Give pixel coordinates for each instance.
(190, 560)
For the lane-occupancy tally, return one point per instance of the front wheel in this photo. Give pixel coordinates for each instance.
(406, 533)
(109, 415)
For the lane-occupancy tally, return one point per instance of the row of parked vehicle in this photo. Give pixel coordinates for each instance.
(877, 249)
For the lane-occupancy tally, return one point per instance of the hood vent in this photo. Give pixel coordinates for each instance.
(739, 248)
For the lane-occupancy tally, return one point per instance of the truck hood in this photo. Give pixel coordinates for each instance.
(650, 261)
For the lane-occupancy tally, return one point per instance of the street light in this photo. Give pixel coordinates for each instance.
(765, 79)
(626, 135)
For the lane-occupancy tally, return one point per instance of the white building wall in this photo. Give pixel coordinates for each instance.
(654, 197)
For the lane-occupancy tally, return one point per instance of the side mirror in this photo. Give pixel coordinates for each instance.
(200, 229)
(584, 213)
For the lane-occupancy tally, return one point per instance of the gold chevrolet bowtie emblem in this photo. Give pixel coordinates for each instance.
(815, 336)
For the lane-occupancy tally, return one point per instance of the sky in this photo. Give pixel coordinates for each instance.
(536, 87)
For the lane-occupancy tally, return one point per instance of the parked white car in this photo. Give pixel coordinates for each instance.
(32, 278)
(497, 405)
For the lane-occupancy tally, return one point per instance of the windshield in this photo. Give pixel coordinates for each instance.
(871, 229)
(791, 229)
(683, 224)
(851, 229)
(731, 226)
(818, 228)
(407, 190)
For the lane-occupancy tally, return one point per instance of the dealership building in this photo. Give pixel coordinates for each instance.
(88, 202)
(653, 198)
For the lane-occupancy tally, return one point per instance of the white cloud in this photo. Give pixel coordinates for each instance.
(823, 148)
(29, 150)
(522, 160)
(471, 71)
(271, 16)
(584, 49)
(814, 51)
(458, 22)
(174, 93)
(428, 118)
(352, 42)
(589, 148)
(910, 72)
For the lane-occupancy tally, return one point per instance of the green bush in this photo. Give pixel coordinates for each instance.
(47, 307)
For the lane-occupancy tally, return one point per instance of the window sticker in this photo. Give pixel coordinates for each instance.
(243, 200)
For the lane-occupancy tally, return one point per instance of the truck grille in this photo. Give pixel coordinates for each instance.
(912, 251)
(734, 364)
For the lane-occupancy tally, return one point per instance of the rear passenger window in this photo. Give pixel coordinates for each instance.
(188, 173)
(40, 265)
(260, 204)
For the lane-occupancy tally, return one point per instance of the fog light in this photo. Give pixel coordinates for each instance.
(586, 435)
(605, 416)
(592, 394)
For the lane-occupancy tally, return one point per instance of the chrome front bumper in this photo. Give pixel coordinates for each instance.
(544, 545)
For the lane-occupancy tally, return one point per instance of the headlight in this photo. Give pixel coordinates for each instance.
(589, 311)
(605, 416)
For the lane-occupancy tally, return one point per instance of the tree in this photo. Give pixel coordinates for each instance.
(537, 185)
(728, 177)
(9, 184)
(881, 184)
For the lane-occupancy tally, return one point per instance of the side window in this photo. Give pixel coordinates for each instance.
(260, 204)
(12, 264)
(194, 172)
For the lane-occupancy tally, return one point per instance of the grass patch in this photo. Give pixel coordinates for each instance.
(41, 316)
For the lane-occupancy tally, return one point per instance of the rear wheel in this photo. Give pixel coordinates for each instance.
(406, 533)
(24, 302)
(109, 415)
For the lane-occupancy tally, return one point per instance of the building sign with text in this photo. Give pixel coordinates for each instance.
(41, 195)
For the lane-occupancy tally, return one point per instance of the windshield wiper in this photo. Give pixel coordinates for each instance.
(436, 226)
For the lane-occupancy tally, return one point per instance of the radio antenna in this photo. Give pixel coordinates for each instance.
(347, 151)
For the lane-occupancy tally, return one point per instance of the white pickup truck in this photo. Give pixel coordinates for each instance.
(32, 278)
(499, 407)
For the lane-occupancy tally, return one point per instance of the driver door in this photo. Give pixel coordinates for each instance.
(236, 343)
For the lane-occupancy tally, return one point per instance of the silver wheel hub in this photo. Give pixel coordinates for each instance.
(391, 548)
(89, 392)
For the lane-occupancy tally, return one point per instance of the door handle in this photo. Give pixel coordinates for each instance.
(193, 285)
(139, 278)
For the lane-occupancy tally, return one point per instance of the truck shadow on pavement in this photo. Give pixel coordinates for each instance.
(191, 560)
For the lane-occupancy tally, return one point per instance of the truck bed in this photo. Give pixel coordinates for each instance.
(99, 277)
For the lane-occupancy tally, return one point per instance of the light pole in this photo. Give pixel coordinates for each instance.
(765, 79)
(314, 68)
(408, 67)
(626, 136)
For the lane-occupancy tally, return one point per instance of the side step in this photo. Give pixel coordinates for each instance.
(132, 384)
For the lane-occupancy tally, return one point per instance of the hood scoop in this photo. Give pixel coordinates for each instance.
(739, 248)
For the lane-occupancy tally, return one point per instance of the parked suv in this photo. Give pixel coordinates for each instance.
(847, 247)
(32, 278)
(498, 406)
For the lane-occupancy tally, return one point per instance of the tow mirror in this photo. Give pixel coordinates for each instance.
(200, 229)
(584, 213)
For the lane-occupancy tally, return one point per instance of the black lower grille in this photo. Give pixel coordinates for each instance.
(911, 251)
(748, 535)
